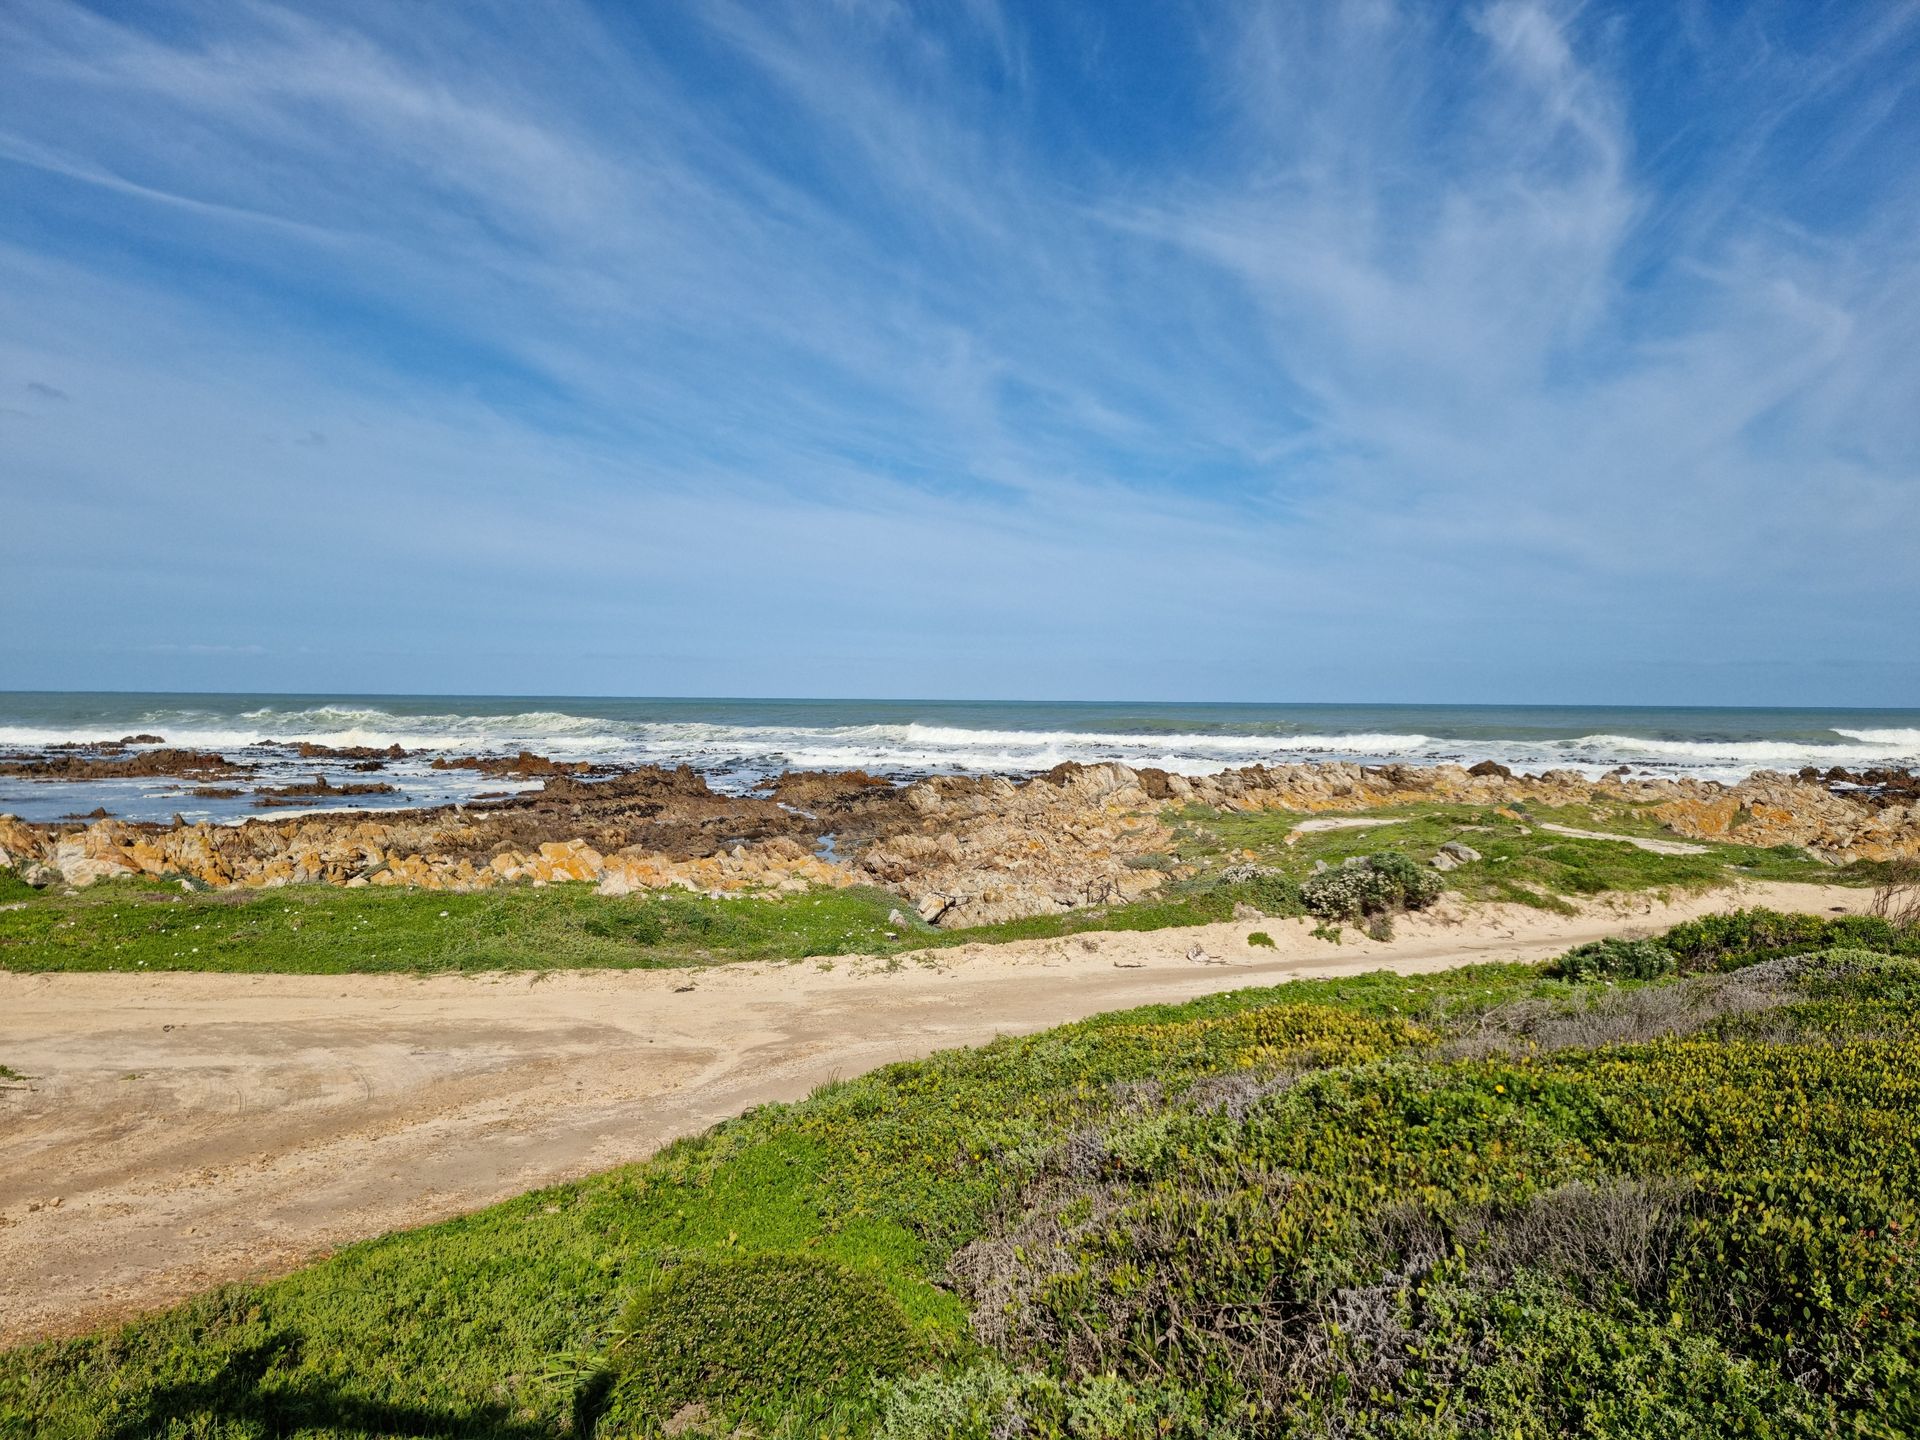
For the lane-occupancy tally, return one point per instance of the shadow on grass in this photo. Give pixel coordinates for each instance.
(235, 1395)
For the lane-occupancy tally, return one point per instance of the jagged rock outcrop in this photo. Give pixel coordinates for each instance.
(980, 852)
(962, 850)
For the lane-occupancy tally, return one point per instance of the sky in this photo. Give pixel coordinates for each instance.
(1506, 352)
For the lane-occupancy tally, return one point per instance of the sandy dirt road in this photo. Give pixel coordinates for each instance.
(183, 1130)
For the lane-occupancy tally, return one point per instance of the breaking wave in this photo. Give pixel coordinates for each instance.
(738, 743)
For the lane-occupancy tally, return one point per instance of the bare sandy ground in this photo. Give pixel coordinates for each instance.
(184, 1130)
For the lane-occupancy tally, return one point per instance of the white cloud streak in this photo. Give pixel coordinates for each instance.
(786, 333)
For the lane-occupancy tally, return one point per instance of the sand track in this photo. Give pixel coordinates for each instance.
(182, 1130)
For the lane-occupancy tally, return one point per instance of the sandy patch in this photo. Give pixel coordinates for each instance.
(1639, 842)
(1339, 822)
(183, 1130)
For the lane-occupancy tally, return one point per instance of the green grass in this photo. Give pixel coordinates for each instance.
(325, 929)
(1520, 863)
(1377, 1206)
(321, 929)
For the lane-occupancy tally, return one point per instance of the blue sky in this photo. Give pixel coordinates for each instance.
(1316, 351)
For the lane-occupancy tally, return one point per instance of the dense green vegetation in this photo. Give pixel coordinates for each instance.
(1489, 1202)
(1520, 862)
(1734, 941)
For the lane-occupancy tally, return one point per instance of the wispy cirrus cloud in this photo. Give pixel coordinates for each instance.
(1271, 350)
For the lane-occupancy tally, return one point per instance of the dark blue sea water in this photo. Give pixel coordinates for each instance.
(736, 742)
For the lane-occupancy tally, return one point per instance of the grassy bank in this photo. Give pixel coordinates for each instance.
(1489, 1202)
(1521, 861)
(319, 929)
(127, 925)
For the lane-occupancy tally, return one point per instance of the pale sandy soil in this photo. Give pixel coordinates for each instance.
(184, 1130)
(1639, 842)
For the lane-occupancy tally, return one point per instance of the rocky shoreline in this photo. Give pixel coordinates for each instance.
(961, 850)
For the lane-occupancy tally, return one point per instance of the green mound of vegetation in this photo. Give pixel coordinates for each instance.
(1378, 884)
(789, 1336)
(1488, 1202)
(1748, 937)
(1614, 958)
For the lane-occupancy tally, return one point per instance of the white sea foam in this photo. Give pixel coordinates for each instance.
(1905, 740)
(1751, 753)
(736, 755)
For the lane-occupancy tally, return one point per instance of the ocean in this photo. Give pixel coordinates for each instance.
(736, 743)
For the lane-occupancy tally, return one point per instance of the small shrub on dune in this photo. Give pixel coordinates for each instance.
(1379, 885)
(1896, 899)
(1615, 959)
(1268, 891)
(762, 1331)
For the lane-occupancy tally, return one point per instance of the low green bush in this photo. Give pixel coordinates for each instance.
(1747, 937)
(1378, 885)
(1616, 959)
(753, 1332)
(1271, 892)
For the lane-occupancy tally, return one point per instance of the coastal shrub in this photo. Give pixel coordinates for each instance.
(988, 1401)
(1627, 1017)
(1373, 1242)
(980, 1402)
(1615, 959)
(1271, 892)
(1376, 885)
(1748, 937)
(762, 1330)
(1261, 939)
(1856, 976)
(1897, 897)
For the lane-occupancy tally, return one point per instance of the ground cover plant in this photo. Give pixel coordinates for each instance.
(1490, 1202)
